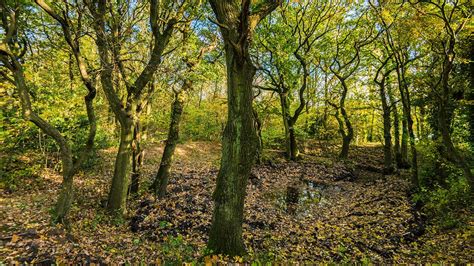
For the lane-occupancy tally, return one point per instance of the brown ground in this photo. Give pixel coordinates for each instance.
(345, 213)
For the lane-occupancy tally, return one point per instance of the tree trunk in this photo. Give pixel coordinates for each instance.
(387, 148)
(137, 158)
(258, 127)
(239, 141)
(404, 146)
(396, 128)
(66, 196)
(344, 154)
(450, 151)
(238, 155)
(117, 201)
(405, 96)
(161, 179)
(285, 112)
(293, 145)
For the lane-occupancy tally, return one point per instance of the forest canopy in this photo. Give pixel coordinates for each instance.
(247, 131)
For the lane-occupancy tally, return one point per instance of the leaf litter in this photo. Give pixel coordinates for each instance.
(313, 210)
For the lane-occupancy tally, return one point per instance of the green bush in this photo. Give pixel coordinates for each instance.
(444, 189)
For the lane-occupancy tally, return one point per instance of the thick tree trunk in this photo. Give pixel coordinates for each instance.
(238, 155)
(347, 138)
(117, 201)
(293, 145)
(66, 196)
(161, 179)
(239, 142)
(344, 154)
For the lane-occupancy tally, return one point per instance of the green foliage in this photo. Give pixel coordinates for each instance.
(444, 188)
(176, 251)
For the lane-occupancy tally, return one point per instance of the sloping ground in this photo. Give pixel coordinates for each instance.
(313, 210)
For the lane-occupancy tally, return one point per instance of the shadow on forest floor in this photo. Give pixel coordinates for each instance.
(316, 209)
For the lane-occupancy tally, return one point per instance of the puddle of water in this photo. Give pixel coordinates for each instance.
(299, 199)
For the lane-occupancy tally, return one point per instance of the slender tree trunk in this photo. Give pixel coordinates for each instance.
(387, 148)
(258, 127)
(370, 136)
(404, 145)
(396, 128)
(422, 134)
(137, 157)
(161, 179)
(405, 95)
(346, 140)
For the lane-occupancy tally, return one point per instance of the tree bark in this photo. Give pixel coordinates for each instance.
(137, 157)
(286, 117)
(404, 144)
(161, 179)
(239, 142)
(387, 148)
(117, 200)
(396, 128)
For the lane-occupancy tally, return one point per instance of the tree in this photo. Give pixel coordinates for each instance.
(381, 77)
(453, 17)
(287, 44)
(344, 63)
(12, 51)
(163, 19)
(237, 21)
(191, 63)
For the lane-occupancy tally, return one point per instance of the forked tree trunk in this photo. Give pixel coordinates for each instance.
(387, 136)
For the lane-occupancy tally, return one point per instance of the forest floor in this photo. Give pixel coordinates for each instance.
(316, 209)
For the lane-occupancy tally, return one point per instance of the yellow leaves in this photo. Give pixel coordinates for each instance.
(15, 238)
(211, 260)
(386, 16)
